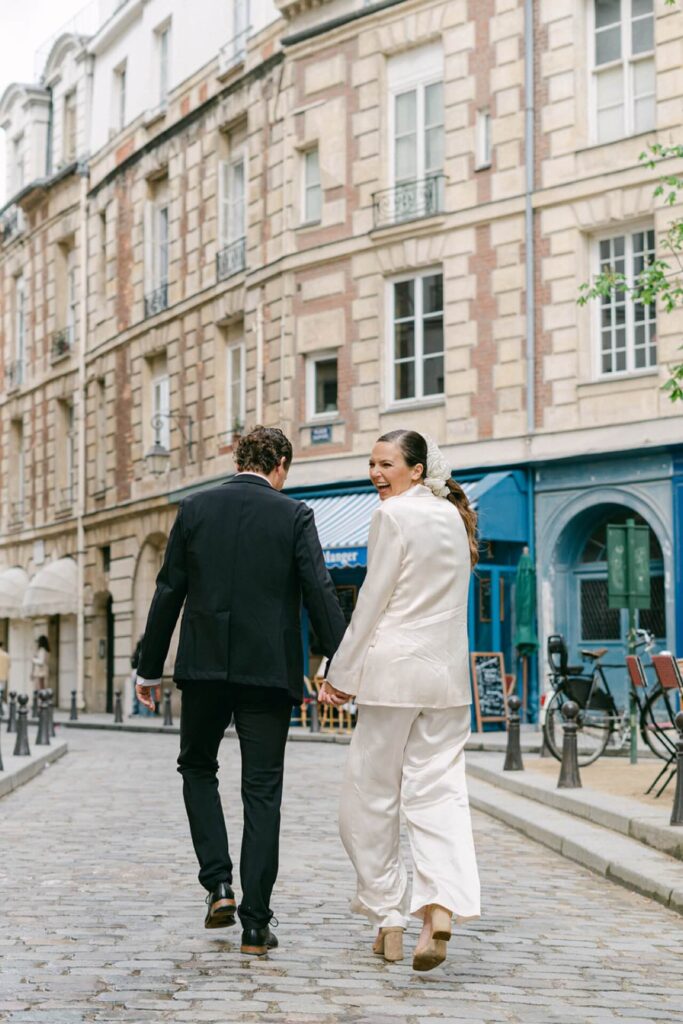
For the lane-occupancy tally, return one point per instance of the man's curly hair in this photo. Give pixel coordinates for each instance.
(262, 449)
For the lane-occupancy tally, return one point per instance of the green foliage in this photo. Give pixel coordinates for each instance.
(662, 280)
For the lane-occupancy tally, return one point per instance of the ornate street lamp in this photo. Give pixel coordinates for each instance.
(158, 456)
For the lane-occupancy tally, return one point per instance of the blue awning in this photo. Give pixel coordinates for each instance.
(343, 520)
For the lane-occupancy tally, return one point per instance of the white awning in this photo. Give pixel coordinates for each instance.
(53, 590)
(13, 584)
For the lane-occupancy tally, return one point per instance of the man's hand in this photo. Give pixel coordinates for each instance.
(329, 695)
(144, 695)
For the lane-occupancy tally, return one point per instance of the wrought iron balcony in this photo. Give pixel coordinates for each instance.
(231, 259)
(62, 343)
(234, 52)
(16, 515)
(410, 200)
(64, 499)
(157, 300)
(12, 223)
(15, 375)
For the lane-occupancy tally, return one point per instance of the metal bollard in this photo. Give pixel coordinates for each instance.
(34, 704)
(118, 709)
(73, 713)
(677, 809)
(315, 716)
(43, 737)
(12, 715)
(513, 753)
(51, 712)
(569, 771)
(168, 713)
(2, 767)
(21, 747)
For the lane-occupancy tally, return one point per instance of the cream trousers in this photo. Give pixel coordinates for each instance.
(409, 760)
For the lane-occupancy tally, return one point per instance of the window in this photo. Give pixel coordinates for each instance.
(628, 334)
(231, 200)
(18, 163)
(321, 385)
(65, 455)
(416, 131)
(161, 407)
(157, 220)
(312, 197)
(417, 343)
(71, 301)
(236, 390)
(102, 260)
(623, 68)
(119, 98)
(17, 492)
(483, 140)
(163, 35)
(240, 27)
(19, 367)
(101, 436)
(69, 128)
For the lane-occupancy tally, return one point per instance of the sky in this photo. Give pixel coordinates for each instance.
(25, 25)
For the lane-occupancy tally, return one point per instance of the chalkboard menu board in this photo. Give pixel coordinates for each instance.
(488, 684)
(347, 595)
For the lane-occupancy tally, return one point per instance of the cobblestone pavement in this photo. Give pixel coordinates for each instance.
(101, 915)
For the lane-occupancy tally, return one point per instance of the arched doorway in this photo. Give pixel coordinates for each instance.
(100, 689)
(582, 611)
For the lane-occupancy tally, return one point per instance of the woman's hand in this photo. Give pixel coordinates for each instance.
(329, 695)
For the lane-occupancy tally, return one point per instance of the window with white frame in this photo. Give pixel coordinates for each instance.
(483, 140)
(623, 77)
(322, 385)
(416, 116)
(627, 329)
(17, 480)
(19, 328)
(18, 163)
(312, 199)
(236, 392)
(71, 296)
(119, 98)
(101, 435)
(163, 46)
(69, 127)
(231, 199)
(157, 215)
(417, 338)
(240, 23)
(161, 407)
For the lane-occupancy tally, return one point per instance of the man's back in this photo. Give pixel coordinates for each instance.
(242, 555)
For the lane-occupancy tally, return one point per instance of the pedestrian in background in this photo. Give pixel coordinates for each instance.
(4, 671)
(39, 664)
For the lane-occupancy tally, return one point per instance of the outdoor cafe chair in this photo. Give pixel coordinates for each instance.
(657, 736)
(670, 682)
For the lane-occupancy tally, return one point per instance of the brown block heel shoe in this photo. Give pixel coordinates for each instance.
(389, 944)
(431, 953)
(222, 907)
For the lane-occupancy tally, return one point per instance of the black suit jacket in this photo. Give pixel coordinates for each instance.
(241, 556)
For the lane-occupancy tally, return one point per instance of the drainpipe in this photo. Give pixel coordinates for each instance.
(259, 357)
(529, 215)
(80, 398)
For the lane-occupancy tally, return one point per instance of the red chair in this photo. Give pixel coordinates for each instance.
(648, 720)
(671, 683)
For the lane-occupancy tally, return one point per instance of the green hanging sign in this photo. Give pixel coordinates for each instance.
(628, 566)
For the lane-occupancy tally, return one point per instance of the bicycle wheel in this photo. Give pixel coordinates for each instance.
(656, 726)
(594, 730)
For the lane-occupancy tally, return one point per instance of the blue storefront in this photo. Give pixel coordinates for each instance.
(504, 503)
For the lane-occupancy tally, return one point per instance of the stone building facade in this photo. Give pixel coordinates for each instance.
(339, 218)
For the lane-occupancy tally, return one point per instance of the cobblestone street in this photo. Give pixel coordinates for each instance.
(102, 916)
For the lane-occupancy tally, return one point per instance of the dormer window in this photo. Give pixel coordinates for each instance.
(69, 128)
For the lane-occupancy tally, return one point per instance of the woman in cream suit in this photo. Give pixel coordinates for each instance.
(405, 658)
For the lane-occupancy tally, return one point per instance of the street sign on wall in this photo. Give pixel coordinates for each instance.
(628, 565)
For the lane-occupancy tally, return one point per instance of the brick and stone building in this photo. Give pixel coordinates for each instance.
(341, 218)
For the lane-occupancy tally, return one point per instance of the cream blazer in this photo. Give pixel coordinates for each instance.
(406, 645)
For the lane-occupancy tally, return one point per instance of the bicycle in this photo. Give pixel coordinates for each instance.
(599, 721)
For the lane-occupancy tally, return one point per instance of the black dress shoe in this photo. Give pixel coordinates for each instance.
(222, 907)
(257, 941)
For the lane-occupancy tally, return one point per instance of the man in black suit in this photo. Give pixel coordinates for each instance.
(241, 556)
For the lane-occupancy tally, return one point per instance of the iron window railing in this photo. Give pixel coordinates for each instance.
(15, 375)
(234, 51)
(231, 259)
(16, 514)
(411, 200)
(62, 343)
(157, 300)
(12, 223)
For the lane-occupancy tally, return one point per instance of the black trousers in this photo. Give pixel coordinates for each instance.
(262, 721)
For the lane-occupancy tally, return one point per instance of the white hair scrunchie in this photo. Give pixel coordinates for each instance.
(438, 470)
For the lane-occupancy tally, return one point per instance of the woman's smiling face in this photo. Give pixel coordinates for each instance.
(389, 471)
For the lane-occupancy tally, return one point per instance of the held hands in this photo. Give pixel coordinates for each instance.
(144, 695)
(329, 695)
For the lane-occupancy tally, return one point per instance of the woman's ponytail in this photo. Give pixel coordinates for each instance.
(458, 498)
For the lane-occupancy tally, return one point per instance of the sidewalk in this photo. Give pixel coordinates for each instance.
(18, 770)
